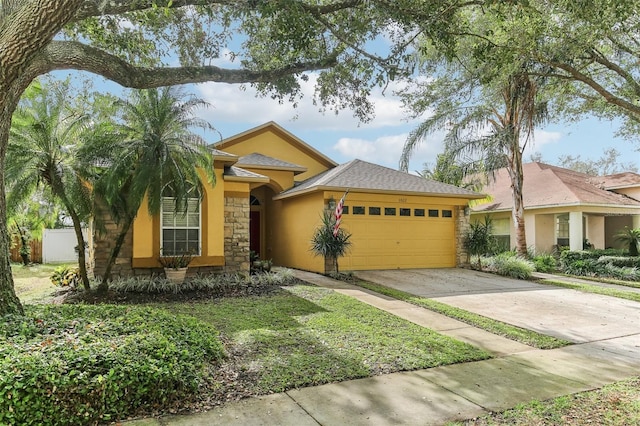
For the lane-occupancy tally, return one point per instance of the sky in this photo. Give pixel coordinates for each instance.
(342, 137)
(234, 109)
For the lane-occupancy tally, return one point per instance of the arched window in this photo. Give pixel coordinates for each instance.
(253, 201)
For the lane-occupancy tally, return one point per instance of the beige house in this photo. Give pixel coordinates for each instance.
(564, 207)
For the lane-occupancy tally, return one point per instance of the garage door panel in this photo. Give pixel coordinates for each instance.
(390, 242)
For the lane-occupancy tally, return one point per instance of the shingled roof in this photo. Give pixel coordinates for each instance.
(260, 161)
(361, 175)
(545, 186)
(237, 173)
(617, 181)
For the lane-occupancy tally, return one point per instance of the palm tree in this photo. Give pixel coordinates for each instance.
(45, 137)
(156, 152)
(631, 238)
(497, 138)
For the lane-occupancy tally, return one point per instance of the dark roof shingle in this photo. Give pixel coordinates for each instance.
(358, 174)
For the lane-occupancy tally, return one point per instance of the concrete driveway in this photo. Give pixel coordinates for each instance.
(569, 314)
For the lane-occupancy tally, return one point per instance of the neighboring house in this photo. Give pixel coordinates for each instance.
(563, 207)
(270, 190)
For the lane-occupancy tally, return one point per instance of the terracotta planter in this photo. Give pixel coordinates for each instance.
(176, 276)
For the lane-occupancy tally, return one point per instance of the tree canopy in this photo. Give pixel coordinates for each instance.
(587, 52)
(153, 43)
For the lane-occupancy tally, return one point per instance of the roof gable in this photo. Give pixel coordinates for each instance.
(362, 175)
(259, 161)
(272, 140)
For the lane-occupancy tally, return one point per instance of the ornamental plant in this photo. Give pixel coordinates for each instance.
(176, 261)
(631, 238)
(324, 243)
(65, 276)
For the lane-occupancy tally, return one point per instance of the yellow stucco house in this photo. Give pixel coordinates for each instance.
(271, 188)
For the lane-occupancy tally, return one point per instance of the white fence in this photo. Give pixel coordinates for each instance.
(58, 245)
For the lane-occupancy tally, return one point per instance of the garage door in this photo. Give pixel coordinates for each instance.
(398, 237)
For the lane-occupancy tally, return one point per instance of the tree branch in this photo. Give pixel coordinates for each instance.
(92, 8)
(43, 19)
(598, 88)
(626, 76)
(61, 55)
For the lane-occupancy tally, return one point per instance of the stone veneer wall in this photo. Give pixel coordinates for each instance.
(462, 226)
(236, 245)
(104, 237)
(236, 234)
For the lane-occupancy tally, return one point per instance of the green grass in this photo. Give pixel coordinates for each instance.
(518, 334)
(617, 404)
(595, 289)
(32, 284)
(305, 336)
(35, 270)
(633, 284)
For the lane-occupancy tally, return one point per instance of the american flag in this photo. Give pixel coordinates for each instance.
(338, 214)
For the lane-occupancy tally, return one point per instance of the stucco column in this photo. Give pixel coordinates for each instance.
(576, 239)
(635, 220)
(595, 231)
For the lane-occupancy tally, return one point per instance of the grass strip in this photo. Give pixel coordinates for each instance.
(595, 289)
(522, 335)
(306, 335)
(615, 405)
(606, 280)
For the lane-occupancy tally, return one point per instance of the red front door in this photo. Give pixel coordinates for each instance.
(254, 231)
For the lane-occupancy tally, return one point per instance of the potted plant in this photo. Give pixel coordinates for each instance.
(175, 266)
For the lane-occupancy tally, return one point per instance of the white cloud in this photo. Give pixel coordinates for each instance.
(232, 103)
(540, 139)
(386, 150)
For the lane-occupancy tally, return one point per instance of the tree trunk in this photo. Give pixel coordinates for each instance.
(82, 259)
(25, 250)
(9, 302)
(517, 179)
(104, 284)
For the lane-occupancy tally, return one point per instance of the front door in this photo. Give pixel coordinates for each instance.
(254, 231)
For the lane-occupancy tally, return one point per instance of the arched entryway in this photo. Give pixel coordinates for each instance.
(254, 225)
(260, 202)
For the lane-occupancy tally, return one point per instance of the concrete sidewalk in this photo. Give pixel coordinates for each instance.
(434, 396)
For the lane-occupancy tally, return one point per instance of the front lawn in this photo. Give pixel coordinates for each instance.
(306, 335)
(81, 364)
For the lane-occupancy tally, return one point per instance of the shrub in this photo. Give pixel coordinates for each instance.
(621, 272)
(621, 261)
(75, 364)
(545, 262)
(478, 241)
(65, 276)
(218, 284)
(510, 265)
(586, 267)
(568, 257)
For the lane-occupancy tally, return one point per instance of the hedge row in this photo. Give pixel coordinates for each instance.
(74, 364)
(604, 263)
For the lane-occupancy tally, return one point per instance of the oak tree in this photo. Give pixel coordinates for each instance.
(153, 43)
